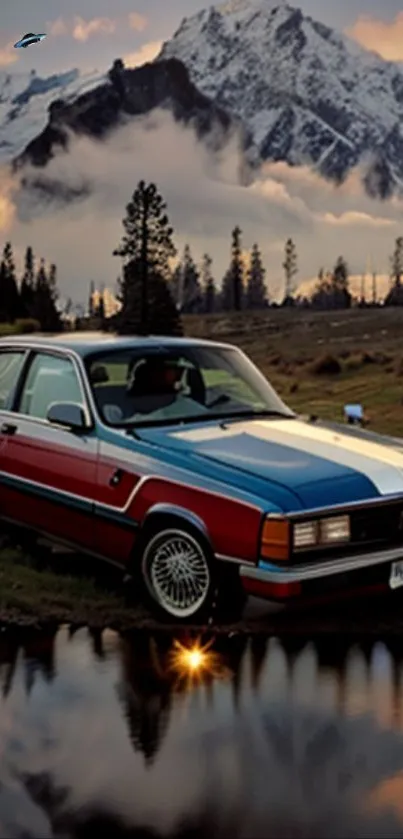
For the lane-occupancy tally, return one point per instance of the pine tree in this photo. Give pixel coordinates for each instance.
(147, 247)
(100, 310)
(395, 294)
(396, 262)
(91, 296)
(175, 285)
(256, 294)
(290, 270)
(45, 310)
(164, 317)
(10, 303)
(209, 291)
(322, 295)
(227, 292)
(27, 291)
(237, 269)
(340, 291)
(191, 301)
(4, 315)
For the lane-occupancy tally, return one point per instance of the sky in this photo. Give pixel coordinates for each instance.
(92, 33)
(322, 219)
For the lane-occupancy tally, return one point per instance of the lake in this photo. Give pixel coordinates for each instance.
(250, 738)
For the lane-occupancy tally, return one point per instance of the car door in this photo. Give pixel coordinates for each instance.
(51, 472)
(11, 366)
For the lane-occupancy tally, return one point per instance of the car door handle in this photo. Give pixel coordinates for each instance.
(116, 478)
(8, 428)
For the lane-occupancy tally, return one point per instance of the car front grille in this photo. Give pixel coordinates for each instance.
(372, 529)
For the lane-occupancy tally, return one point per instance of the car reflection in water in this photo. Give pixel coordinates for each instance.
(261, 737)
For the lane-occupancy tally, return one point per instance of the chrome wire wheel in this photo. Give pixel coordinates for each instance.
(176, 573)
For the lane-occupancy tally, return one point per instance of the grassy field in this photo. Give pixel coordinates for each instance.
(297, 349)
(74, 590)
(64, 588)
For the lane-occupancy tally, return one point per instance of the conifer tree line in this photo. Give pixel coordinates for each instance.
(155, 288)
(154, 292)
(32, 296)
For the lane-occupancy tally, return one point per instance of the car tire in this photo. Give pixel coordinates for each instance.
(182, 582)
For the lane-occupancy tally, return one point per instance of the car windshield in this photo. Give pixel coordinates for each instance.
(164, 386)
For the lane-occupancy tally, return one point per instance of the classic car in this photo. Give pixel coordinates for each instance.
(176, 460)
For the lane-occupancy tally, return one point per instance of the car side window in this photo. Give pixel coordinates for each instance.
(10, 369)
(50, 379)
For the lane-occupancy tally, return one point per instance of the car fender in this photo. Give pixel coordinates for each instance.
(180, 513)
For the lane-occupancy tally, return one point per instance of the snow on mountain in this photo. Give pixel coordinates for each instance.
(24, 103)
(306, 93)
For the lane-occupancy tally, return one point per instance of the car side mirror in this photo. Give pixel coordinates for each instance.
(69, 415)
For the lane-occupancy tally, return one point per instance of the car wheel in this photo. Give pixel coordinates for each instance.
(176, 571)
(183, 583)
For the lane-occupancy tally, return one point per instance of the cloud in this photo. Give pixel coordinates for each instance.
(205, 202)
(145, 54)
(84, 29)
(58, 27)
(8, 55)
(137, 22)
(380, 36)
(358, 219)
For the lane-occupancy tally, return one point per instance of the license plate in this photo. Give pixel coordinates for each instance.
(396, 575)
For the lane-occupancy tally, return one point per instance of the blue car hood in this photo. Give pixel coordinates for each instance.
(317, 464)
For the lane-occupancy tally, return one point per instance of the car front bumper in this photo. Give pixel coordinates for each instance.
(284, 584)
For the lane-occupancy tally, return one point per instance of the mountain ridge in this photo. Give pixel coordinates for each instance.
(314, 96)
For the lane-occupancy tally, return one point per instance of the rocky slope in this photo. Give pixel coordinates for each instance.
(306, 93)
(124, 94)
(24, 103)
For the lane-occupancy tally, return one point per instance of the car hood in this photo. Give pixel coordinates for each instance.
(317, 464)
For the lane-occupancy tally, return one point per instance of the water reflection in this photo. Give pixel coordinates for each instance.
(288, 738)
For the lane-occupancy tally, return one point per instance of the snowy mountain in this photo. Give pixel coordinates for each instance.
(124, 94)
(306, 93)
(302, 92)
(24, 102)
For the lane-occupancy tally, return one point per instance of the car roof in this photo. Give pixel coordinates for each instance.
(89, 343)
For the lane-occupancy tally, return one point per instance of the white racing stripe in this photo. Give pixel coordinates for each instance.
(381, 465)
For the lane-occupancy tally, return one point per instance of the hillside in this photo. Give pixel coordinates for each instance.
(287, 346)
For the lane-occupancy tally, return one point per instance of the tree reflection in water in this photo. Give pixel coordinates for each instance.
(278, 763)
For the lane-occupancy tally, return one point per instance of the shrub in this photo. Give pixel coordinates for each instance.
(326, 365)
(354, 362)
(7, 329)
(368, 358)
(25, 326)
(22, 326)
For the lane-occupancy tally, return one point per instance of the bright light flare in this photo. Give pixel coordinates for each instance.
(193, 661)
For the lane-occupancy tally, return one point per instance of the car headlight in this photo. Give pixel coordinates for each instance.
(305, 534)
(329, 531)
(335, 530)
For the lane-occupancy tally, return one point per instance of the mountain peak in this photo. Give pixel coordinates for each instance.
(306, 93)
